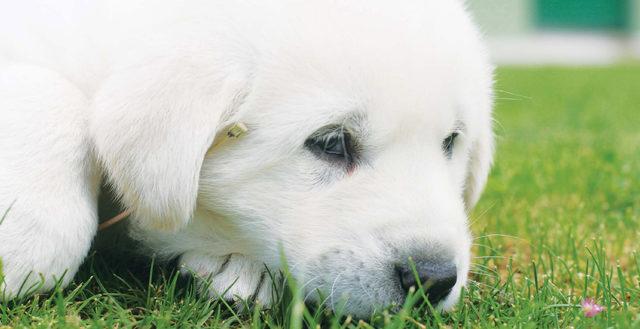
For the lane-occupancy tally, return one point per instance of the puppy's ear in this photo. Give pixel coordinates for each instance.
(152, 127)
(480, 161)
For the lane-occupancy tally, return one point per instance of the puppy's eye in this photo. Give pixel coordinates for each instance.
(335, 146)
(331, 144)
(448, 144)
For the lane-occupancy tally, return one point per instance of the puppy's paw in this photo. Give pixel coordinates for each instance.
(19, 278)
(233, 277)
(33, 264)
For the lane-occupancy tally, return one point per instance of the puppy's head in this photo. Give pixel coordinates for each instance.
(369, 139)
(364, 152)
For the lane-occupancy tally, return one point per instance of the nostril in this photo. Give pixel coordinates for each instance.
(408, 277)
(437, 278)
(440, 289)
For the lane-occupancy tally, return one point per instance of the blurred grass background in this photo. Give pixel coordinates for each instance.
(564, 195)
(568, 160)
(559, 222)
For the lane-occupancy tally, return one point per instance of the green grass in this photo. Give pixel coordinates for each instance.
(560, 221)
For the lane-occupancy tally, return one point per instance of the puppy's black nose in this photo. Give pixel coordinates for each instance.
(437, 278)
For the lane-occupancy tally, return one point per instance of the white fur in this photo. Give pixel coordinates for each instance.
(145, 87)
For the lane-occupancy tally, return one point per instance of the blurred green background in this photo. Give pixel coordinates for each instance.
(566, 32)
(529, 16)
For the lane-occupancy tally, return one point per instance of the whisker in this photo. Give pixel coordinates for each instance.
(500, 235)
(499, 124)
(311, 291)
(485, 246)
(365, 291)
(491, 257)
(480, 215)
(513, 94)
(333, 286)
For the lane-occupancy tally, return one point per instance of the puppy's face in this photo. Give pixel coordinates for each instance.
(369, 138)
(357, 166)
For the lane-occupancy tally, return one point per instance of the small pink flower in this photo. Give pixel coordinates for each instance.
(590, 308)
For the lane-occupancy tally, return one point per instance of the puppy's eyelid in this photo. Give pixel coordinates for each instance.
(449, 142)
(333, 143)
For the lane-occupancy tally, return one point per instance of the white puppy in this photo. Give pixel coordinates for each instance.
(369, 137)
